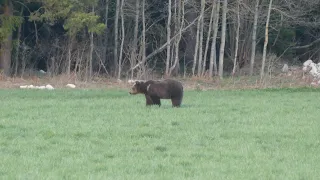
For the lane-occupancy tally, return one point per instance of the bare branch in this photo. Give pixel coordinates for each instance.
(165, 44)
(308, 45)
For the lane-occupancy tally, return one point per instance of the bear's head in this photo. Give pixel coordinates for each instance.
(138, 88)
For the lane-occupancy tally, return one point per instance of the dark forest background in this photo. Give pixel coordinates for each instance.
(140, 38)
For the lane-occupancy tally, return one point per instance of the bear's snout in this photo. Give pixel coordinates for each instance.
(132, 92)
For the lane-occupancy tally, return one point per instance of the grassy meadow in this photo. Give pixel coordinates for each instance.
(108, 134)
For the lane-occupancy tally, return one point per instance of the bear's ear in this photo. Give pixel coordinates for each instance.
(139, 82)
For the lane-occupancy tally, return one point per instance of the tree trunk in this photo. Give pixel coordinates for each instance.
(196, 48)
(237, 39)
(69, 54)
(115, 51)
(203, 3)
(105, 46)
(223, 38)
(264, 54)
(190, 35)
(213, 58)
(122, 39)
(208, 39)
(143, 44)
(16, 56)
(23, 59)
(91, 51)
(254, 37)
(180, 22)
(135, 38)
(6, 45)
(168, 38)
(90, 55)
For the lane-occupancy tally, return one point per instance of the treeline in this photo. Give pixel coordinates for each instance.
(136, 38)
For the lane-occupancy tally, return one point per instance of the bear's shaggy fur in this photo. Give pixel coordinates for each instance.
(156, 90)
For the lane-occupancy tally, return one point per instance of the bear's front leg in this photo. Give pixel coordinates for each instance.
(149, 101)
(156, 100)
(176, 102)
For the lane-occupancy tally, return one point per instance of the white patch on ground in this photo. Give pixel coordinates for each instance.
(48, 86)
(71, 85)
(313, 69)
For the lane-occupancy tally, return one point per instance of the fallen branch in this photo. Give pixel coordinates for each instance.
(164, 45)
(308, 45)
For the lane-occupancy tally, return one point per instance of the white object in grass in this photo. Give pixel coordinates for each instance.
(48, 86)
(71, 85)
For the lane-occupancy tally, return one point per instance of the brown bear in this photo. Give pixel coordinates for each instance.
(156, 90)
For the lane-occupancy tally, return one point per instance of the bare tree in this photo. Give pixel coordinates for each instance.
(24, 53)
(223, 37)
(237, 39)
(122, 39)
(213, 58)
(16, 56)
(105, 45)
(135, 38)
(143, 44)
(91, 51)
(264, 54)
(116, 19)
(69, 55)
(168, 37)
(180, 24)
(196, 48)
(203, 3)
(208, 38)
(254, 37)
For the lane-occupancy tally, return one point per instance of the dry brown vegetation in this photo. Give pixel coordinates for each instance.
(297, 79)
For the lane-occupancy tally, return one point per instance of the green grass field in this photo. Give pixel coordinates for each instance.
(108, 134)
